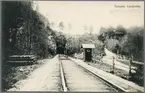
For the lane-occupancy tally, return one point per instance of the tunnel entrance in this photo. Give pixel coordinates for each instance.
(60, 47)
(60, 50)
(60, 43)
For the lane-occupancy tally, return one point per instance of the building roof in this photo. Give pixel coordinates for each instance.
(87, 46)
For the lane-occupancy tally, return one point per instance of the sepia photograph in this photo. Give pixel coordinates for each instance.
(72, 46)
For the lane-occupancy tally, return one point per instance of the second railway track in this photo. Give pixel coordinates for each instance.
(76, 78)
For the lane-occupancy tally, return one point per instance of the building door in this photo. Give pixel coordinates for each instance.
(88, 55)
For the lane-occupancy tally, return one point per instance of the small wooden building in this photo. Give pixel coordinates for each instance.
(87, 49)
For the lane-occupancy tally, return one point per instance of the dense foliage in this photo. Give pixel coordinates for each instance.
(128, 42)
(74, 43)
(25, 31)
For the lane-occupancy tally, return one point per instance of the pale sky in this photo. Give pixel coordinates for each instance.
(93, 14)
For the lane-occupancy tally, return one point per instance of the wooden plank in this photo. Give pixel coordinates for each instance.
(138, 63)
(127, 61)
(19, 61)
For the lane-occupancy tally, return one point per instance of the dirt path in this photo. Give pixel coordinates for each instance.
(108, 60)
(45, 78)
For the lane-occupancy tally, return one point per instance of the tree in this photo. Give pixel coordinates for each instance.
(20, 24)
(110, 32)
(13, 16)
(101, 37)
(132, 44)
(69, 27)
(120, 32)
(61, 26)
(91, 29)
(130, 41)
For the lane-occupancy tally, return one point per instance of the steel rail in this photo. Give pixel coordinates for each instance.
(64, 86)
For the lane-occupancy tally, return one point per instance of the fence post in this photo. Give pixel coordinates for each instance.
(113, 64)
(130, 62)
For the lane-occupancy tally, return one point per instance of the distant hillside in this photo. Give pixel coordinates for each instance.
(128, 42)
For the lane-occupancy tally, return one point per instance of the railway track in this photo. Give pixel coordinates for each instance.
(76, 78)
(65, 74)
